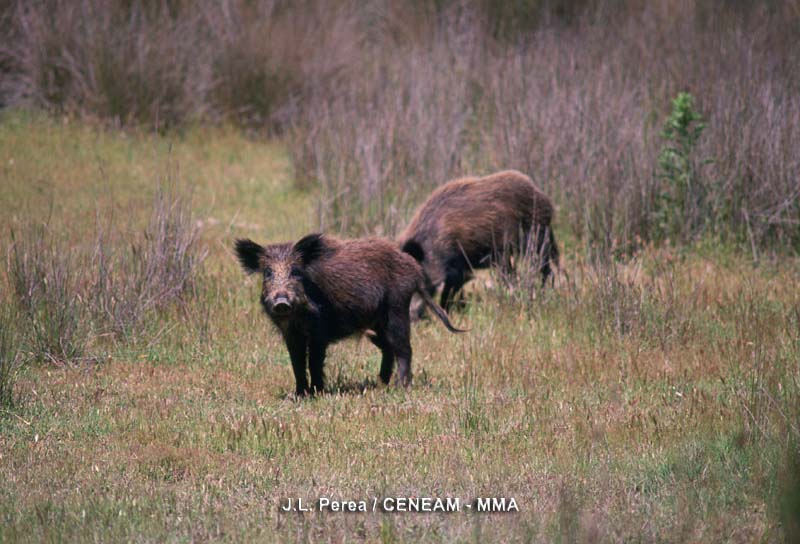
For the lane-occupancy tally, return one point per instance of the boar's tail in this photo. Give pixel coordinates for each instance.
(413, 248)
(440, 313)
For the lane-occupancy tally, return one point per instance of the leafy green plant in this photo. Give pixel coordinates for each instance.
(680, 206)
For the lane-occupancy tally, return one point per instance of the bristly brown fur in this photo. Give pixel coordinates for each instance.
(322, 289)
(469, 223)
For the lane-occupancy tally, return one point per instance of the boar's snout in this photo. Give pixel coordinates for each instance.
(278, 304)
(281, 305)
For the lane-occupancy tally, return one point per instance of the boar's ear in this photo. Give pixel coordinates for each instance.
(310, 247)
(249, 254)
(413, 248)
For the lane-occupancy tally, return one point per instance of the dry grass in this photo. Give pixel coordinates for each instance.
(380, 102)
(167, 63)
(10, 359)
(650, 400)
(156, 268)
(71, 298)
(44, 281)
(580, 108)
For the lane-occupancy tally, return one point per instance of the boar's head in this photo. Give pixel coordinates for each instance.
(283, 268)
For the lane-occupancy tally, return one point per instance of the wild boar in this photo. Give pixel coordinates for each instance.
(472, 223)
(321, 290)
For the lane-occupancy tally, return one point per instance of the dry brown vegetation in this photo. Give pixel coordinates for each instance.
(579, 107)
(380, 102)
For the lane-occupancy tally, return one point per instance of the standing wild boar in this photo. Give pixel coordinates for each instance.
(320, 290)
(472, 223)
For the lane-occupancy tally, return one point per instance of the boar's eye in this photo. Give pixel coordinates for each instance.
(297, 272)
(267, 273)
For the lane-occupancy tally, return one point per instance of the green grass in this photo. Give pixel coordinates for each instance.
(658, 405)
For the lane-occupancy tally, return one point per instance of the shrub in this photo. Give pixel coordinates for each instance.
(681, 206)
(168, 63)
(66, 296)
(113, 60)
(45, 280)
(379, 147)
(153, 271)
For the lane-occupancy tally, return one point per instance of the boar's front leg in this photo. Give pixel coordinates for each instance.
(297, 344)
(316, 364)
(454, 280)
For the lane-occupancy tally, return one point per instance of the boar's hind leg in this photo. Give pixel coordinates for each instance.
(543, 252)
(387, 359)
(316, 363)
(296, 344)
(398, 337)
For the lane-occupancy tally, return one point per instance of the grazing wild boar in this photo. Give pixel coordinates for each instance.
(321, 289)
(473, 223)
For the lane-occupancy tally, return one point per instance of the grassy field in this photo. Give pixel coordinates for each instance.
(652, 400)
